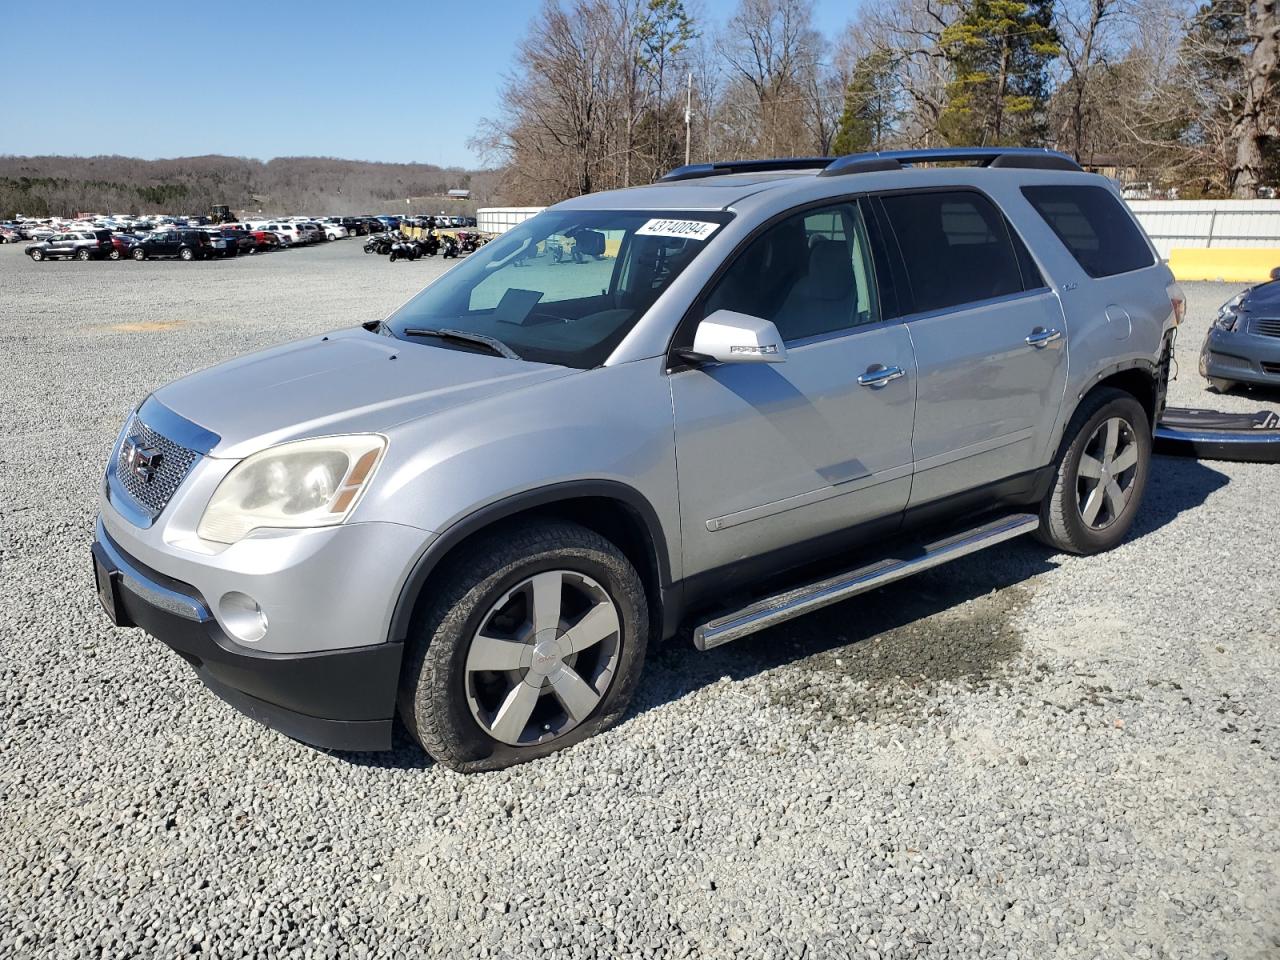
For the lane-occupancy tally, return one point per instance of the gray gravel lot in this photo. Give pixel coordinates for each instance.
(1021, 755)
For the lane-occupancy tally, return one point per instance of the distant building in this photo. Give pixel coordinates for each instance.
(459, 194)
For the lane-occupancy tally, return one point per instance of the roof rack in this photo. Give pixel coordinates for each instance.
(1027, 158)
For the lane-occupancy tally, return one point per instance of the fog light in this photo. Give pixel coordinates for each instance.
(242, 617)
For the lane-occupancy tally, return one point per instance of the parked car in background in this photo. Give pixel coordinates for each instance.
(286, 231)
(77, 244)
(122, 245)
(1243, 343)
(9, 233)
(182, 244)
(38, 232)
(310, 232)
(265, 239)
(334, 230)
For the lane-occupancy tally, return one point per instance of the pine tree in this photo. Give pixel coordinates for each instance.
(999, 52)
(869, 107)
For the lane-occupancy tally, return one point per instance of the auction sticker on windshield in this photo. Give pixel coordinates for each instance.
(684, 229)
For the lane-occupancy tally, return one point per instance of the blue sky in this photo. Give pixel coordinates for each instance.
(141, 78)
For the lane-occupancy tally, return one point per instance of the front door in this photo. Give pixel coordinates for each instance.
(772, 455)
(990, 343)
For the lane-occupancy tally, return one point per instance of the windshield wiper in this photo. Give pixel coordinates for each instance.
(462, 336)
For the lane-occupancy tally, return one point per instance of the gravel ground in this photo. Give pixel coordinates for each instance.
(1021, 755)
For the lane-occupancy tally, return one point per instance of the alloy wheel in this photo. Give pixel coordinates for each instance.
(1106, 473)
(543, 657)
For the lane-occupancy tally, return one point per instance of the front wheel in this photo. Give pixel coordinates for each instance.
(534, 641)
(37, 255)
(114, 254)
(186, 253)
(139, 254)
(1100, 476)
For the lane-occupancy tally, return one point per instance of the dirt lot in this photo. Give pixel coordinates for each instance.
(1021, 755)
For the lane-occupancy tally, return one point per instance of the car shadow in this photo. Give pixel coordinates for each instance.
(928, 640)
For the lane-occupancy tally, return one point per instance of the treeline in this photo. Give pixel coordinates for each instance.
(1184, 95)
(61, 186)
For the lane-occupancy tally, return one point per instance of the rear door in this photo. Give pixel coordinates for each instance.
(989, 339)
(772, 455)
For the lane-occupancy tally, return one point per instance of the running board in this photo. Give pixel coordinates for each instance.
(801, 600)
(1211, 435)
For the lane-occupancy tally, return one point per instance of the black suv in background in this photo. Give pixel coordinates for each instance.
(183, 244)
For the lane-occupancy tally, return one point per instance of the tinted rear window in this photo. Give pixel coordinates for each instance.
(956, 247)
(1094, 226)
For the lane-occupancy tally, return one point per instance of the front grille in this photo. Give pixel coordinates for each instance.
(176, 461)
(1266, 326)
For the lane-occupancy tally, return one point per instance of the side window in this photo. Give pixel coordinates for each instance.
(1094, 226)
(810, 274)
(956, 247)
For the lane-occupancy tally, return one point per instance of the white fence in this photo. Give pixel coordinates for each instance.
(1209, 223)
(502, 219)
(1169, 223)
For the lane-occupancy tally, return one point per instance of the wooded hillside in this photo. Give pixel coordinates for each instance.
(59, 186)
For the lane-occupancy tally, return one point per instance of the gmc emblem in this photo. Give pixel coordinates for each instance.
(141, 461)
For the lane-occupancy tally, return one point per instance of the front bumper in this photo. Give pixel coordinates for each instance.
(340, 699)
(1242, 356)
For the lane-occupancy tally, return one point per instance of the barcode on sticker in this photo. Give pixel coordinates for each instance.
(684, 229)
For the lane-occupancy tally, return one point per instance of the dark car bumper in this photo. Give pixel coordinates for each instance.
(1247, 357)
(337, 699)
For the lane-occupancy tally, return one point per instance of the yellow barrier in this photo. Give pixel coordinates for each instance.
(1232, 264)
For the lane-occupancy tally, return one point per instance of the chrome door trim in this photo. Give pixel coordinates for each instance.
(975, 449)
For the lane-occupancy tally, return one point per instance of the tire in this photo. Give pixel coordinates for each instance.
(82, 255)
(1114, 498)
(449, 701)
(114, 254)
(333, 236)
(392, 256)
(139, 254)
(1221, 385)
(187, 254)
(37, 255)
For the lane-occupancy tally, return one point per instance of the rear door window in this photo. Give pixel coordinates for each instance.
(956, 247)
(1094, 225)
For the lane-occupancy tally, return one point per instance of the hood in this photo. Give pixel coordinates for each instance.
(349, 381)
(1264, 298)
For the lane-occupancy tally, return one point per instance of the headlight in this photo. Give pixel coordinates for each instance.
(307, 483)
(1228, 313)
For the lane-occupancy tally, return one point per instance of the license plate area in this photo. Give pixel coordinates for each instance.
(108, 590)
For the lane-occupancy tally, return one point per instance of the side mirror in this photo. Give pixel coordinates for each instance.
(731, 337)
(1275, 273)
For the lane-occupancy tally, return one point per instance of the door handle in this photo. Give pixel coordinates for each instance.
(1040, 337)
(878, 375)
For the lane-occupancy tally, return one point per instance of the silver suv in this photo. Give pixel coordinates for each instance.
(766, 386)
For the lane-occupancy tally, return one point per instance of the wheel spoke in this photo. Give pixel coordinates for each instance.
(1090, 467)
(546, 601)
(494, 653)
(1093, 504)
(1116, 499)
(513, 715)
(599, 622)
(577, 696)
(1110, 439)
(1125, 459)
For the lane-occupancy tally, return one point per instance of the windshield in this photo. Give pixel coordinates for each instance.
(564, 287)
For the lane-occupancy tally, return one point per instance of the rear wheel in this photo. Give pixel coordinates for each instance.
(186, 253)
(114, 254)
(1101, 475)
(139, 254)
(82, 255)
(534, 641)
